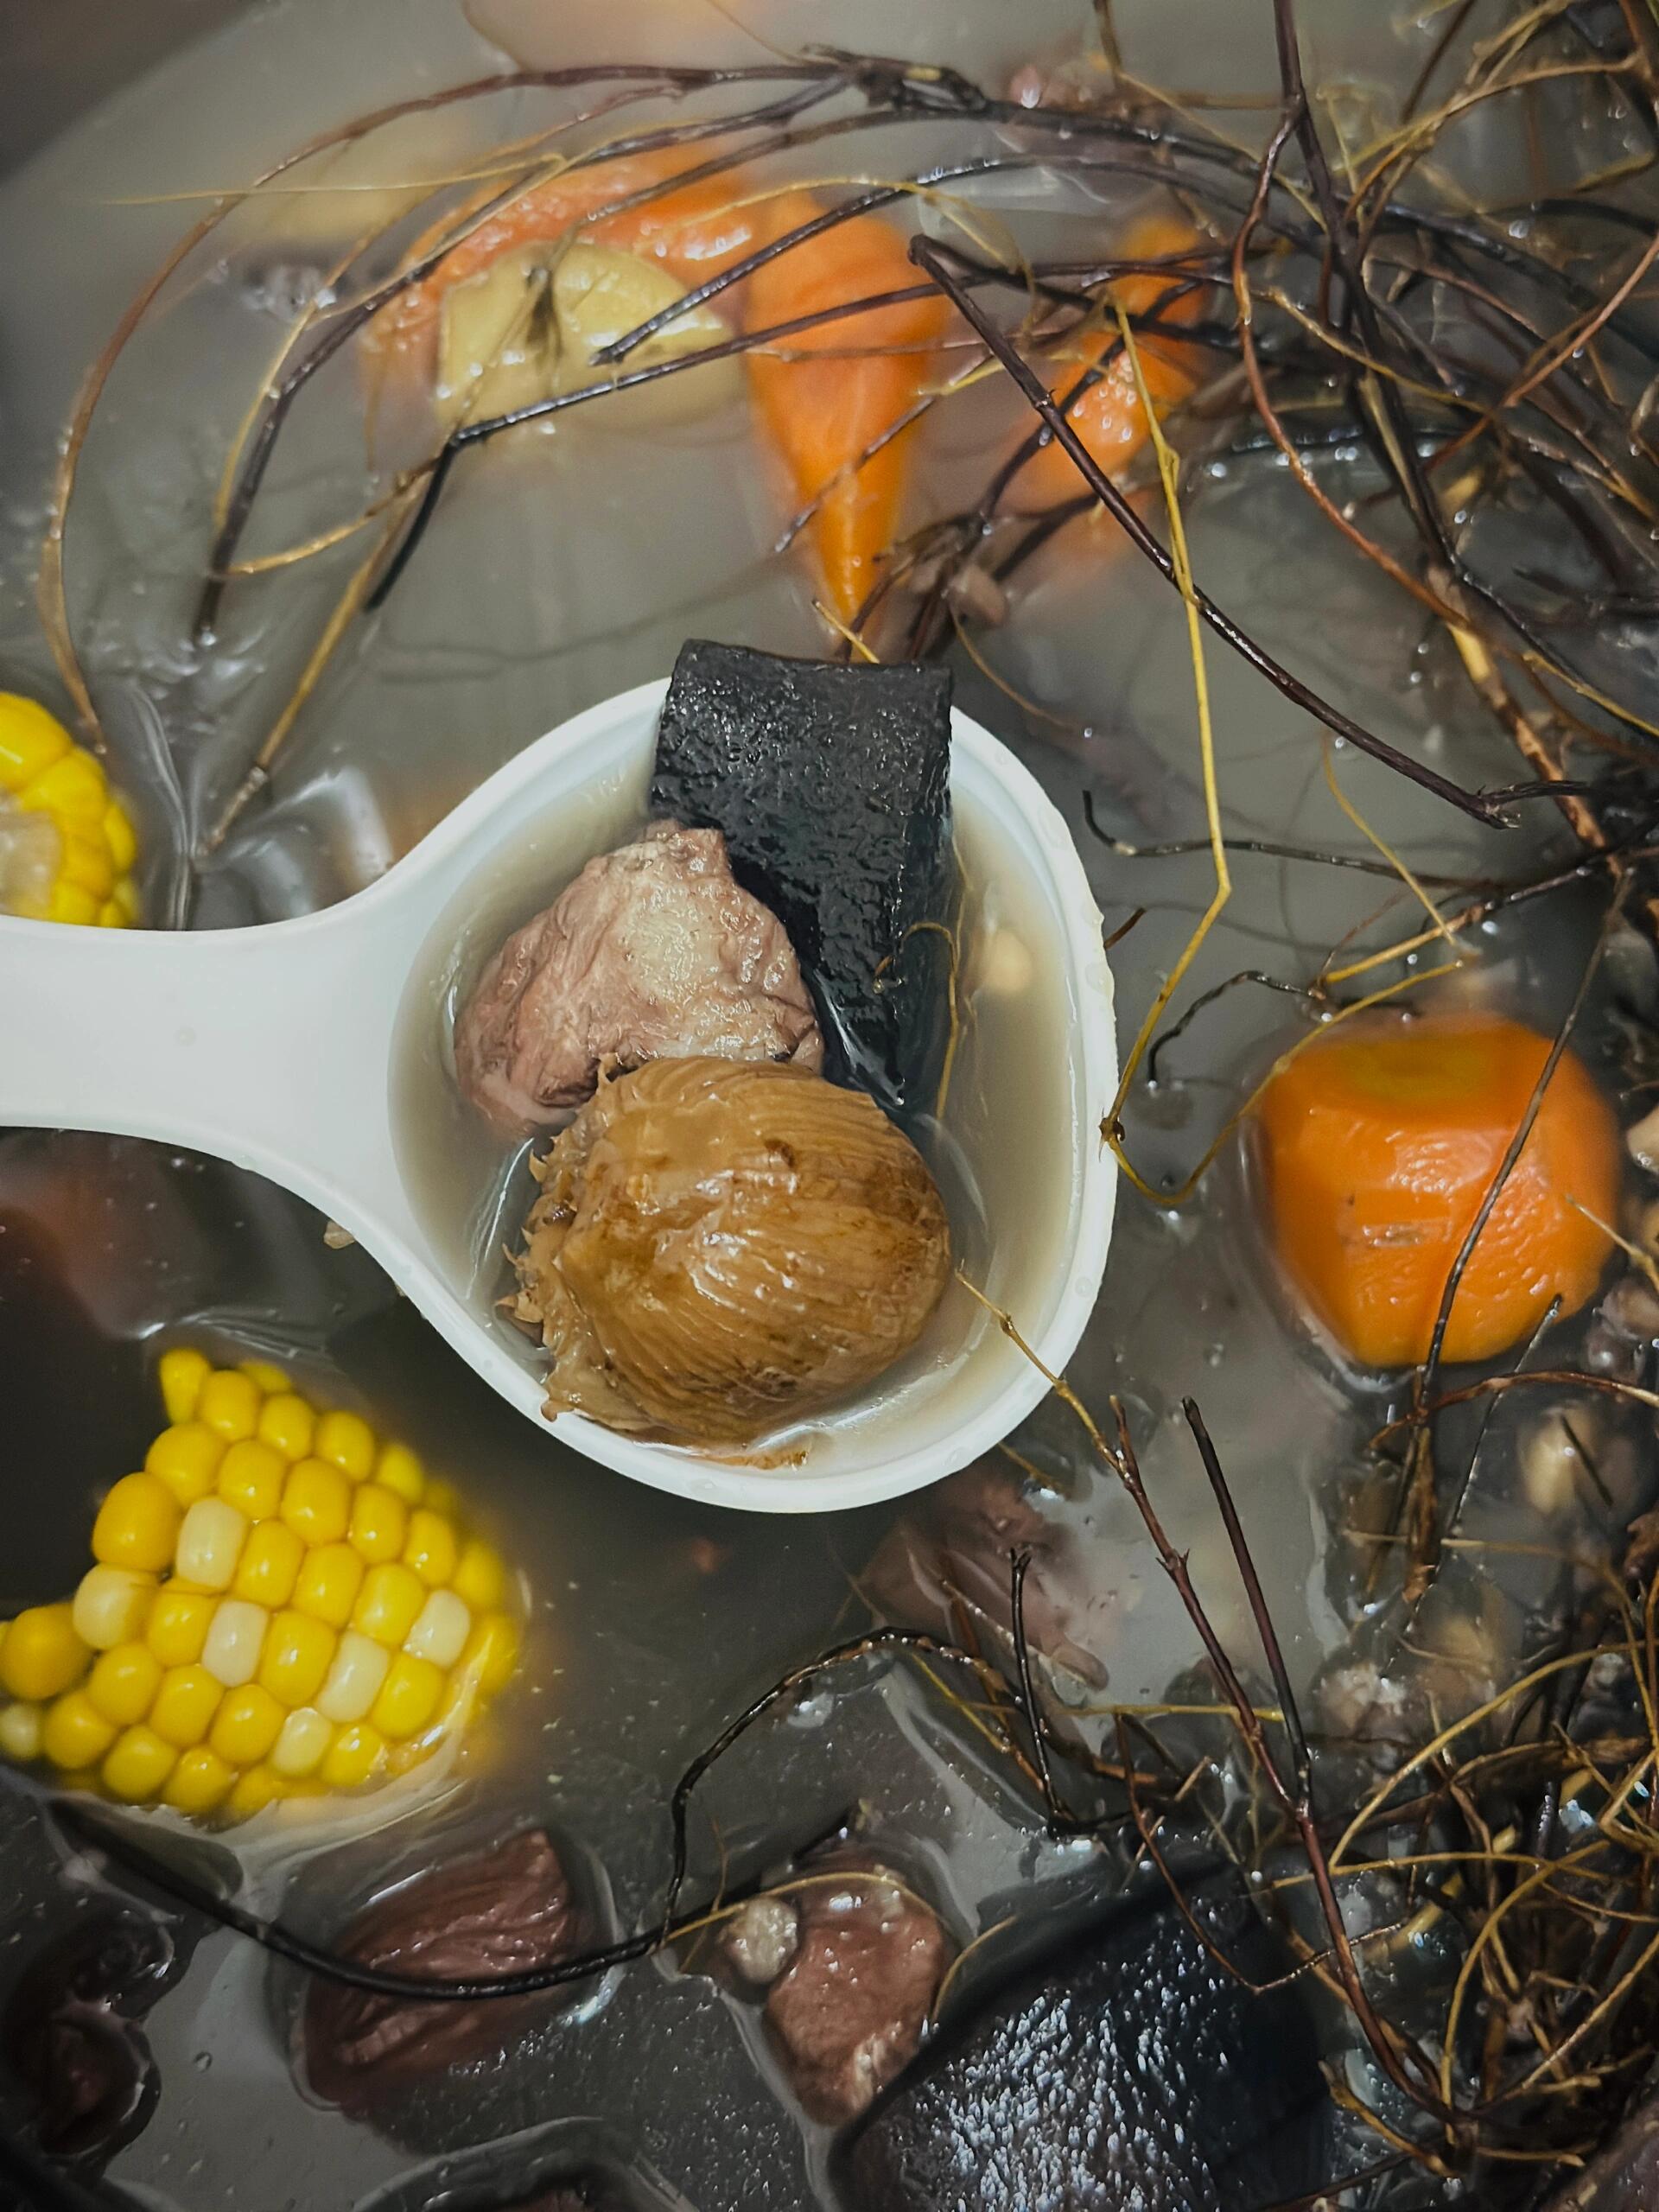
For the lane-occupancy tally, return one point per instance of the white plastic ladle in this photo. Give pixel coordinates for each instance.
(273, 1047)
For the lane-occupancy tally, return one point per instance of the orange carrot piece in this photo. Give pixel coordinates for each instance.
(1109, 416)
(822, 413)
(1379, 1144)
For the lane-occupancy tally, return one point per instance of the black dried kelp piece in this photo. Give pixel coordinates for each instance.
(832, 786)
(1125, 2072)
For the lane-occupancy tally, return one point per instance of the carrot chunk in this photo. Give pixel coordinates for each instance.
(1108, 415)
(823, 413)
(1379, 1144)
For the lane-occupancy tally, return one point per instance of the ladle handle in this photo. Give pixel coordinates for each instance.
(267, 1047)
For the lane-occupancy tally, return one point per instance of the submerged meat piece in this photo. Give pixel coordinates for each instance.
(722, 1246)
(497, 1912)
(847, 2014)
(1127, 2072)
(70, 2034)
(832, 786)
(954, 1549)
(653, 952)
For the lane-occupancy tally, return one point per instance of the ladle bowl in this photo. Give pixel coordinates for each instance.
(276, 1047)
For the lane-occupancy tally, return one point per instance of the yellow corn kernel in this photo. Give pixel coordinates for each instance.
(71, 790)
(186, 1458)
(178, 1624)
(270, 1564)
(199, 1782)
(355, 1677)
(230, 1651)
(251, 1478)
(137, 1524)
(353, 1757)
(480, 1576)
(110, 1605)
(288, 1422)
(74, 1733)
(246, 1725)
(253, 1791)
(182, 1373)
(299, 1749)
(317, 1501)
(110, 916)
(328, 1583)
(68, 903)
(492, 1652)
(123, 1683)
(270, 1379)
(431, 1546)
(443, 1498)
(389, 1604)
(185, 1706)
(84, 861)
(409, 1696)
(211, 1539)
(230, 1404)
(397, 1469)
(126, 898)
(42, 1655)
(379, 1523)
(442, 1630)
(123, 842)
(30, 740)
(20, 1730)
(298, 1650)
(138, 1765)
(346, 1441)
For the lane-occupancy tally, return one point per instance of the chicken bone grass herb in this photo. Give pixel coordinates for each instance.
(1131, 135)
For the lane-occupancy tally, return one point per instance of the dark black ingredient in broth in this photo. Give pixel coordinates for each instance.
(832, 785)
(1127, 2071)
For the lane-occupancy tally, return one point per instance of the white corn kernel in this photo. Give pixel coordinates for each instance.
(298, 1751)
(235, 1638)
(442, 1630)
(354, 1680)
(210, 1543)
(20, 1730)
(110, 1605)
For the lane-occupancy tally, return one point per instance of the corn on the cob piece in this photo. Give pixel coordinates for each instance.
(66, 842)
(278, 1604)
